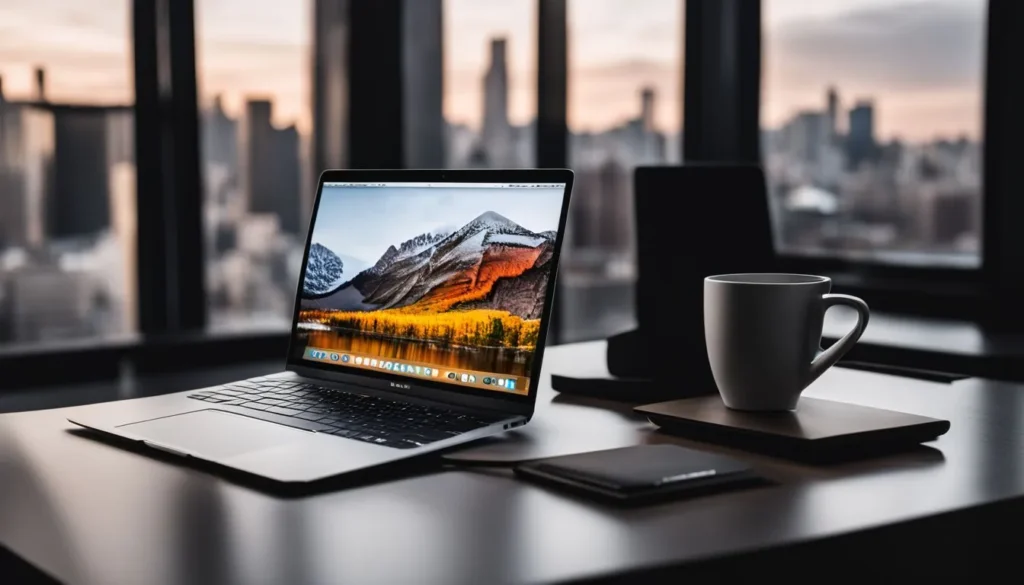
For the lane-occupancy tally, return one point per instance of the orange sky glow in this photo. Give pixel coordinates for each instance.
(616, 47)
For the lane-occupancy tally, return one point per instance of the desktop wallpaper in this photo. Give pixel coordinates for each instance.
(453, 277)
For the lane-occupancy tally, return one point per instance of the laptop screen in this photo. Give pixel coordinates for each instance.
(434, 281)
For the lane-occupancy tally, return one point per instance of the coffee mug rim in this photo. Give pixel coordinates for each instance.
(737, 279)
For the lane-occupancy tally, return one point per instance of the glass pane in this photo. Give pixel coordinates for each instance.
(254, 74)
(67, 172)
(872, 114)
(625, 109)
(490, 83)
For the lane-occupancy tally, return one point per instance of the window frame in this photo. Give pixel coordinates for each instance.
(722, 74)
(944, 292)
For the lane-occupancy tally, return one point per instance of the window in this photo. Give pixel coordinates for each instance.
(67, 172)
(625, 109)
(254, 69)
(871, 128)
(490, 83)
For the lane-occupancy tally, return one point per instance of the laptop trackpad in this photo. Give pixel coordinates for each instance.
(214, 434)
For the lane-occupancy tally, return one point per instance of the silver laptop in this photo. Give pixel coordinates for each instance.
(420, 319)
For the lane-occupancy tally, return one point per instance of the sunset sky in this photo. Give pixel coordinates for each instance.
(920, 60)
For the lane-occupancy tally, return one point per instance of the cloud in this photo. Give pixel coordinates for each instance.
(649, 69)
(929, 45)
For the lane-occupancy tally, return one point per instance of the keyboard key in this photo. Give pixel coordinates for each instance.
(272, 401)
(283, 410)
(309, 416)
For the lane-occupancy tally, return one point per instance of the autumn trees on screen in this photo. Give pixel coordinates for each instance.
(481, 328)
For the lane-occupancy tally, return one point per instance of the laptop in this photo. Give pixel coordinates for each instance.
(419, 324)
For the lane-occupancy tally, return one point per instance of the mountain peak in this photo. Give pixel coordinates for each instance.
(325, 271)
(493, 217)
(407, 249)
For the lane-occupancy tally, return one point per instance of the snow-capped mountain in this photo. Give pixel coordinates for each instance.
(493, 223)
(463, 265)
(406, 249)
(325, 271)
(491, 262)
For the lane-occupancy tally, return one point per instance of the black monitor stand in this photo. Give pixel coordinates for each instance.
(693, 221)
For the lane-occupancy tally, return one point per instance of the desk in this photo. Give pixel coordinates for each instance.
(86, 512)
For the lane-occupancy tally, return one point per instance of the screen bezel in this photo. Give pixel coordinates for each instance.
(411, 385)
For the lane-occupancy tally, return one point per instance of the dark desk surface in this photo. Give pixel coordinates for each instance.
(87, 512)
(943, 345)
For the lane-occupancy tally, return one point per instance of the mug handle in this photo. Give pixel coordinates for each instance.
(826, 359)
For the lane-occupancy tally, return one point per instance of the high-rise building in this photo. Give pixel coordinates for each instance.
(647, 108)
(330, 86)
(832, 111)
(219, 137)
(269, 166)
(616, 208)
(585, 212)
(80, 204)
(860, 139)
(55, 164)
(286, 180)
(40, 84)
(423, 77)
(26, 172)
(807, 135)
(256, 156)
(496, 136)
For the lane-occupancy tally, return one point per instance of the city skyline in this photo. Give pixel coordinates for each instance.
(836, 91)
(930, 89)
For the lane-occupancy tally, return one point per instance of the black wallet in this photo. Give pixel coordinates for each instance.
(642, 473)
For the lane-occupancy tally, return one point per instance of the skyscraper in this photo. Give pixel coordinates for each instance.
(615, 219)
(26, 177)
(269, 166)
(860, 139)
(330, 86)
(81, 198)
(40, 84)
(219, 136)
(256, 156)
(647, 108)
(832, 100)
(55, 166)
(286, 180)
(808, 134)
(496, 136)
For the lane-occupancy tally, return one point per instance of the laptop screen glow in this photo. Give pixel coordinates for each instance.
(438, 281)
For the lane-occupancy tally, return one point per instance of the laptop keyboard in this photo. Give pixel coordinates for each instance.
(346, 414)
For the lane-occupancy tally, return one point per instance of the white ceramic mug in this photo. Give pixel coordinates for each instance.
(763, 334)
